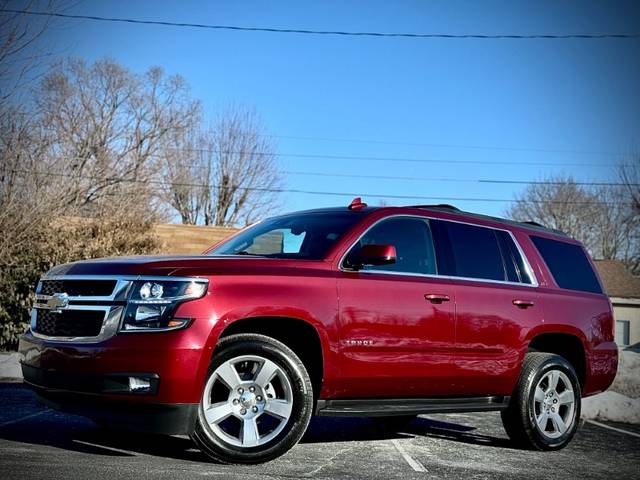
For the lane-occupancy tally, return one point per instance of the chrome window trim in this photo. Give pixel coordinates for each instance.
(110, 324)
(534, 281)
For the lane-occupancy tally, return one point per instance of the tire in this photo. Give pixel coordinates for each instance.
(247, 427)
(541, 416)
(394, 424)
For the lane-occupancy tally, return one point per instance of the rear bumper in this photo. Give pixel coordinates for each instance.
(602, 368)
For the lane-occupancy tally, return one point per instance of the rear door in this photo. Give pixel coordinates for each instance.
(496, 305)
(396, 321)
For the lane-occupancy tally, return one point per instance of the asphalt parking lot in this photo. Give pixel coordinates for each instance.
(36, 442)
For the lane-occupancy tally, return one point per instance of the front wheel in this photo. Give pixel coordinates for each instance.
(544, 410)
(256, 403)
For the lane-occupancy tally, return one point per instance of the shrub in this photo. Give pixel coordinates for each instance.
(61, 242)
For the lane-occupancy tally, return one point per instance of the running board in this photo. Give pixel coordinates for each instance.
(374, 407)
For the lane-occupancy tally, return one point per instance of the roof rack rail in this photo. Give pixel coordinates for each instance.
(529, 224)
(444, 206)
(535, 224)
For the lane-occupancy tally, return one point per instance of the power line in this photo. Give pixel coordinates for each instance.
(447, 145)
(378, 159)
(389, 159)
(457, 180)
(548, 182)
(331, 32)
(423, 179)
(405, 178)
(301, 191)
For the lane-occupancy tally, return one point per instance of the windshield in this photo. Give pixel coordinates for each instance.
(305, 236)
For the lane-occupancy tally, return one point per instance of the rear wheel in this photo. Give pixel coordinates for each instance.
(544, 410)
(256, 403)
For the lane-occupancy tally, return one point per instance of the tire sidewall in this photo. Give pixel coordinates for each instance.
(539, 439)
(297, 422)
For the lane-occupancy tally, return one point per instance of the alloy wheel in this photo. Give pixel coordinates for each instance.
(554, 404)
(247, 401)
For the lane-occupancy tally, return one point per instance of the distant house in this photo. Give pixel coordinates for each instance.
(624, 291)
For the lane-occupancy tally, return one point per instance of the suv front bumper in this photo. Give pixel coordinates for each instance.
(94, 379)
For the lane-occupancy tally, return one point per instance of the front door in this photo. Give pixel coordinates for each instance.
(396, 321)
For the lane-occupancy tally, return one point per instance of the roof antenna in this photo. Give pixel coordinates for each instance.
(357, 204)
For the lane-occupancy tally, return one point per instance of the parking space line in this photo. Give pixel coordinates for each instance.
(17, 420)
(417, 466)
(112, 449)
(619, 430)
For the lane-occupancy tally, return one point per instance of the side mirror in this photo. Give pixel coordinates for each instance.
(372, 255)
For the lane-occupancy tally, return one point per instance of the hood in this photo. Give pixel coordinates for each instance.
(187, 265)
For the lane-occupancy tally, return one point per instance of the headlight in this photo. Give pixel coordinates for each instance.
(151, 303)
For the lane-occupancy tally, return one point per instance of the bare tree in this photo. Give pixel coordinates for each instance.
(90, 148)
(558, 203)
(629, 174)
(602, 218)
(227, 174)
(23, 204)
(21, 142)
(105, 127)
(20, 51)
(186, 185)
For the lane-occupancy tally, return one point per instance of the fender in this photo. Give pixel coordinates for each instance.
(328, 342)
(560, 328)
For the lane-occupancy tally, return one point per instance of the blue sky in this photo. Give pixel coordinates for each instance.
(572, 105)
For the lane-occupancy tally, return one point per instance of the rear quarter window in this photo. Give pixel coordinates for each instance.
(568, 264)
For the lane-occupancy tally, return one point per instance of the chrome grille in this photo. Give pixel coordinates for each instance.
(78, 308)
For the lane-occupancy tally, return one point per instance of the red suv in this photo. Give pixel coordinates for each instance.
(385, 312)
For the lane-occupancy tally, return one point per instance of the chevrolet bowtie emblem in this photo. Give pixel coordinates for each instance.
(58, 301)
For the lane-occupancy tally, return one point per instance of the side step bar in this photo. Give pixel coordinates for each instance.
(374, 407)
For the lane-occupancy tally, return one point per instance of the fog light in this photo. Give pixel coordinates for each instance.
(137, 384)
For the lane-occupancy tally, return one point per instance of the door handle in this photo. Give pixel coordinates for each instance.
(436, 298)
(523, 303)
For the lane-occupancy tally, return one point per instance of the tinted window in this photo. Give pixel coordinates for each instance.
(568, 264)
(307, 236)
(412, 239)
(514, 265)
(475, 252)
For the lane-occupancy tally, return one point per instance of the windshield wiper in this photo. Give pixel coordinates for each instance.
(244, 252)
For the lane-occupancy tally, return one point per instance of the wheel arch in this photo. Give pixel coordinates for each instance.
(565, 344)
(299, 335)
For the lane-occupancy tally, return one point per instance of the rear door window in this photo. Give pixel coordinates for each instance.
(474, 251)
(568, 264)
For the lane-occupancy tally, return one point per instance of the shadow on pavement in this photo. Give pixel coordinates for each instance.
(327, 429)
(454, 432)
(74, 433)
